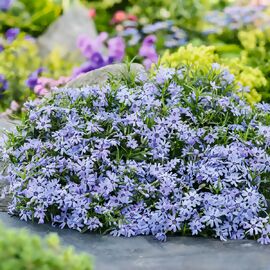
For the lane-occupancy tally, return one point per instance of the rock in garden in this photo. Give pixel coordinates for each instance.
(100, 75)
(64, 32)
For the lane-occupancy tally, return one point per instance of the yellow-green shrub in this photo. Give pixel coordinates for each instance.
(204, 56)
(256, 53)
(19, 59)
(21, 251)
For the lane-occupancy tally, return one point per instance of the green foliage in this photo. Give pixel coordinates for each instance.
(32, 17)
(247, 50)
(58, 66)
(19, 59)
(21, 251)
(187, 14)
(256, 53)
(204, 56)
(105, 4)
(198, 57)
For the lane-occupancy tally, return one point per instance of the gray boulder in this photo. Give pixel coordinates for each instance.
(100, 75)
(63, 33)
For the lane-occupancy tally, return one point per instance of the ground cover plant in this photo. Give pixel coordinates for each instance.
(21, 251)
(175, 150)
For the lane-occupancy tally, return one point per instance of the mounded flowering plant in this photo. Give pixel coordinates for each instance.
(171, 151)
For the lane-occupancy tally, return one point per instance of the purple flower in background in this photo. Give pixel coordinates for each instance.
(97, 59)
(11, 34)
(32, 80)
(148, 51)
(1, 48)
(89, 46)
(3, 83)
(85, 67)
(5, 4)
(149, 40)
(116, 48)
(94, 51)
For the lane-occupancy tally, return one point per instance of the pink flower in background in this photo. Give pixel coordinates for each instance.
(44, 85)
(119, 16)
(14, 106)
(63, 80)
(92, 13)
(40, 90)
(259, 2)
(148, 51)
(132, 17)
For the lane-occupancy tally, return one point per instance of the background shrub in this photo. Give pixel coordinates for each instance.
(21, 251)
(32, 17)
(202, 57)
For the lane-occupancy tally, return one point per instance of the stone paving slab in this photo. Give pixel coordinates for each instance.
(145, 253)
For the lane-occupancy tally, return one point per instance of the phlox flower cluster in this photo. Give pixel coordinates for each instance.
(169, 151)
